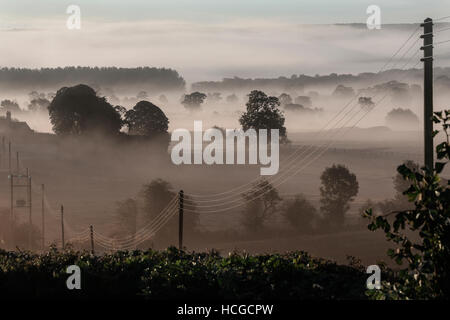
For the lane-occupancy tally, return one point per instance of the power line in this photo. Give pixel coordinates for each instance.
(314, 159)
(320, 132)
(440, 42)
(440, 30)
(285, 173)
(442, 18)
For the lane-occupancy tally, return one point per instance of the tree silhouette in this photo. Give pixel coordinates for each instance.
(146, 119)
(304, 101)
(126, 216)
(339, 187)
(193, 101)
(9, 105)
(402, 119)
(366, 103)
(263, 113)
(261, 202)
(214, 97)
(400, 201)
(232, 98)
(156, 196)
(39, 105)
(142, 95)
(342, 91)
(299, 213)
(285, 99)
(78, 110)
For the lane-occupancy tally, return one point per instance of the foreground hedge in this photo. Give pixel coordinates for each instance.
(173, 274)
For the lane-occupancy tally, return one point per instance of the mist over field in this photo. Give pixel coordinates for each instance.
(91, 177)
(343, 99)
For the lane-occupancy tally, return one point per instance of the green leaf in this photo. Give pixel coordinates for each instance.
(439, 166)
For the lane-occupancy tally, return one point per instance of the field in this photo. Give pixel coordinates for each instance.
(88, 178)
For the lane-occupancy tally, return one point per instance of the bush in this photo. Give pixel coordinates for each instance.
(179, 275)
(300, 213)
(426, 248)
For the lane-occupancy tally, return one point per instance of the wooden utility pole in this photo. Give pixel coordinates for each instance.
(30, 221)
(62, 227)
(17, 163)
(428, 90)
(11, 224)
(2, 155)
(9, 156)
(180, 219)
(43, 218)
(92, 239)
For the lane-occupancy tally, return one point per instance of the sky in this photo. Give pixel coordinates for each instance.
(212, 39)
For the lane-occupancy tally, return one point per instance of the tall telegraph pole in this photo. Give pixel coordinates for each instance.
(180, 219)
(43, 217)
(428, 90)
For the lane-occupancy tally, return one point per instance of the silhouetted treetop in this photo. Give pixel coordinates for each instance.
(146, 119)
(402, 119)
(263, 113)
(194, 100)
(78, 110)
(9, 105)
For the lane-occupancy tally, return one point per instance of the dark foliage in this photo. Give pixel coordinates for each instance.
(173, 274)
(78, 110)
(154, 79)
(193, 101)
(299, 213)
(260, 203)
(426, 245)
(263, 113)
(402, 119)
(339, 187)
(146, 119)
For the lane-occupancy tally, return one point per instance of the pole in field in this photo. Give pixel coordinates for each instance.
(11, 225)
(2, 155)
(3, 151)
(43, 218)
(180, 219)
(9, 156)
(428, 90)
(17, 163)
(91, 228)
(62, 227)
(30, 221)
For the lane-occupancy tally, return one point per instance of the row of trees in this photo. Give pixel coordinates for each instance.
(339, 187)
(78, 110)
(156, 79)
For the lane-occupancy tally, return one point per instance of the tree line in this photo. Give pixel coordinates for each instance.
(156, 79)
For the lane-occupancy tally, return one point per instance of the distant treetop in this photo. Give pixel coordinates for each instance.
(146, 119)
(78, 110)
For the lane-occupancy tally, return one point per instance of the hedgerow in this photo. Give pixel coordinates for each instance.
(175, 274)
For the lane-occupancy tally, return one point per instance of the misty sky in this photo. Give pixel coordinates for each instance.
(205, 39)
